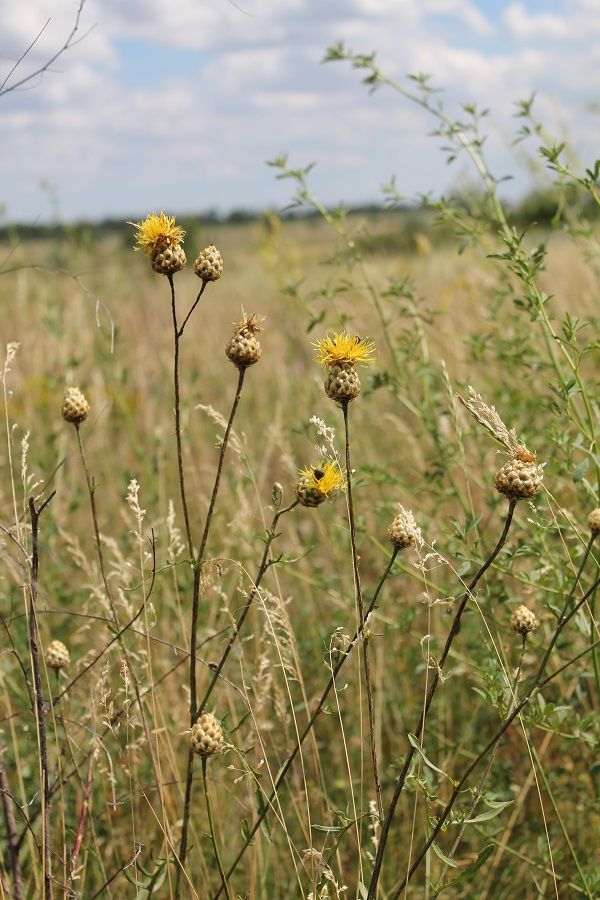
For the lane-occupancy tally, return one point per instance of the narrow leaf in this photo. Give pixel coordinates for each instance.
(421, 753)
(445, 859)
(468, 873)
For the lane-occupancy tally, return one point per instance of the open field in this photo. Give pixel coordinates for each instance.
(118, 737)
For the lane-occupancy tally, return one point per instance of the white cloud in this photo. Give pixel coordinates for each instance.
(212, 93)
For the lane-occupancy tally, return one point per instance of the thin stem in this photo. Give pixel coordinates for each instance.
(192, 308)
(432, 689)
(268, 804)
(92, 495)
(212, 830)
(194, 630)
(200, 557)
(40, 710)
(264, 565)
(479, 790)
(80, 826)
(360, 611)
(177, 332)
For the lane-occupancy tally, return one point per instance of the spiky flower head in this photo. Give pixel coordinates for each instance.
(244, 349)
(404, 531)
(209, 265)
(57, 655)
(156, 230)
(206, 736)
(160, 238)
(75, 408)
(520, 478)
(318, 482)
(343, 349)
(339, 355)
(594, 522)
(523, 621)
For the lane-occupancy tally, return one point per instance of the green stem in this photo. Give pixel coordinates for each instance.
(434, 684)
(264, 565)
(539, 683)
(177, 333)
(360, 611)
(488, 768)
(194, 631)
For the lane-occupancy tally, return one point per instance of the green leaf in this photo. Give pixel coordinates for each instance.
(468, 873)
(496, 808)
(580, 470)
(445, 859)
(330, 829)
(261, 806)
(427, 761)
(245, 829)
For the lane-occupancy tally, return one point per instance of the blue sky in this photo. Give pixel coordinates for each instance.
(179, 106)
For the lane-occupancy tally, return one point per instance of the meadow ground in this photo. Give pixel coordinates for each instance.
(118, 737)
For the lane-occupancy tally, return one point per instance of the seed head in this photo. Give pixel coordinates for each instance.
(75, 408)
(520, 478)
(594, 522)
(523, 621)
(209, 265)
(244, 349)
(318, 482)
(206, 737)
(57, 655)
(403, 532)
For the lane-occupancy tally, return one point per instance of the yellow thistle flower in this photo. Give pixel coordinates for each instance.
(323, 479)
(157, 230)
(343, 349)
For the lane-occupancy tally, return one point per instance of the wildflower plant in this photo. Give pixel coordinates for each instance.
(253, 687)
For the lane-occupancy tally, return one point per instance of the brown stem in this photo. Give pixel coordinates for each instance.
(80, 825)
(40, 710)
(432, 689)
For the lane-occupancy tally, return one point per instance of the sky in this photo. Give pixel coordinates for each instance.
(179, 106)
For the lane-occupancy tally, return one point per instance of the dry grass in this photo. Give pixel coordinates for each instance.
(405, 447)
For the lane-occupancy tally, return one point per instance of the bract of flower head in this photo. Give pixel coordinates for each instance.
(343, 348)
(157, 230)
(324, 478)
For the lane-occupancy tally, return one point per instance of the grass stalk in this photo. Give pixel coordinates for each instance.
(285, 768)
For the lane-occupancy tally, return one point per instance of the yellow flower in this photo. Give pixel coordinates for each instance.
(343, 348)
(157, 230)
(324, 478)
